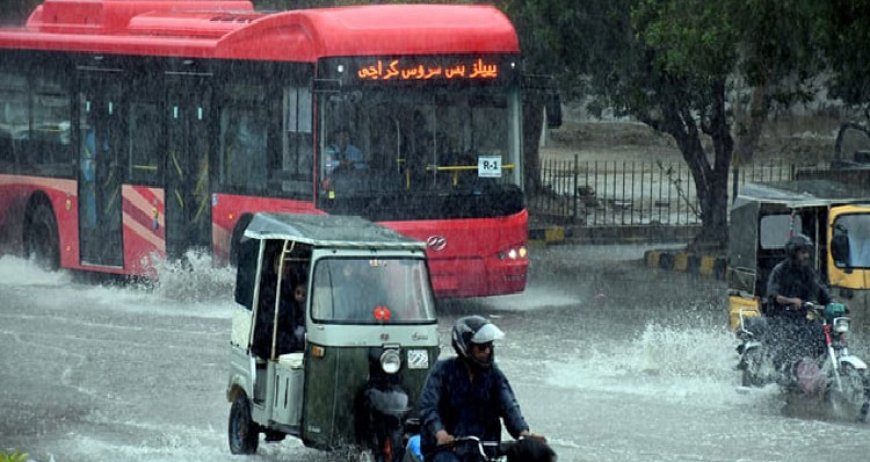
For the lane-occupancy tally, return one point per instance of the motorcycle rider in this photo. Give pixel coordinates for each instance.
(791, 284)
(467, 395)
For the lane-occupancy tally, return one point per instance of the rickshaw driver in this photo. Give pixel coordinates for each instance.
(468, 394)
(792, 283)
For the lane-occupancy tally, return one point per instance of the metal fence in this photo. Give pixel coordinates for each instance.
(616, 193)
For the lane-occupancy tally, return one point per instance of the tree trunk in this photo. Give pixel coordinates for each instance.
(714, 232)
(751, 125)
(533, 123)
(711, 181)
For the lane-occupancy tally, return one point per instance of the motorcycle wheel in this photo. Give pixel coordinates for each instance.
(853, 401)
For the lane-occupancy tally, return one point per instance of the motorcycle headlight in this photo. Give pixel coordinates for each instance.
(391, 362)
(841, 325)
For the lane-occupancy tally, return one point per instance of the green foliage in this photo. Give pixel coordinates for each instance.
(16, 456)
(844, 27)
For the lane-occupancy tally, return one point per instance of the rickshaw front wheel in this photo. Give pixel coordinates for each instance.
(244, 434)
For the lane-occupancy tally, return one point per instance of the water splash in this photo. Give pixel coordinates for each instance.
(679, 364)
(193, 278)
(681, 352)
(17, 271)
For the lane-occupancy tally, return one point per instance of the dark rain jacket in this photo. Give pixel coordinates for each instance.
(791, 279)
(450, 401)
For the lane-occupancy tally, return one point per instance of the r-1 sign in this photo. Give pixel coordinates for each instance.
(489, 166)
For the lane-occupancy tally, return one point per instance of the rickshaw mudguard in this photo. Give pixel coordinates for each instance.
(237, 384)
(741, 306)
(240, 374)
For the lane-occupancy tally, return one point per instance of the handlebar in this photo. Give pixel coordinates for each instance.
(494, 446)
(817, 309)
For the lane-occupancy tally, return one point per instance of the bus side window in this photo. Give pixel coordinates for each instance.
(14, 116)
(295, 165)
(50, 131)
(244, 138)
(243, 143)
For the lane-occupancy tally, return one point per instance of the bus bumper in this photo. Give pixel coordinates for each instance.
(496, 277)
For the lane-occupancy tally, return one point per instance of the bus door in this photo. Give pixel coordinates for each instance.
(101, 129)
(188, 198)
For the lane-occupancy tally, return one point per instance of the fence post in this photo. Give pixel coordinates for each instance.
(574, 205)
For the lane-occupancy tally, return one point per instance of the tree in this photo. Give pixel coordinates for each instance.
(676, 65)
(845, 27)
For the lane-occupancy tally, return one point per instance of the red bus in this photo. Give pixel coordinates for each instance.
(135, 130)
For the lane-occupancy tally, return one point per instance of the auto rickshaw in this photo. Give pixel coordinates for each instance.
(834, 215)
(370, 335)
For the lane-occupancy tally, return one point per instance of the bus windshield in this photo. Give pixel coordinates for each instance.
(372, 291)
(407, 153)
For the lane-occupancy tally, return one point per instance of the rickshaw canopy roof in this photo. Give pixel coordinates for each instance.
(801, 193)
(756, 199)
(328, 231)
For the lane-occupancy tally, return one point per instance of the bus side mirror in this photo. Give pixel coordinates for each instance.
(554, 110)
(547, 88)
(840, 250)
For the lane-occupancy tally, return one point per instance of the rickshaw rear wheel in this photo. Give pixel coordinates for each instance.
(244, 434)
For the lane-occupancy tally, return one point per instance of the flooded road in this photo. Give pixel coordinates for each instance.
(610, 360)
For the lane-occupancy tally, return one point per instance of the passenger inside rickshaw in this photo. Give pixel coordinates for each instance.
(292, 287)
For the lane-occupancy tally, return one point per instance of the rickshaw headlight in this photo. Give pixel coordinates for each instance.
(841, 325)
(391, 362)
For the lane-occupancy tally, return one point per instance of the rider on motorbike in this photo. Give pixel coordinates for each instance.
(468, 394)
(792, 283)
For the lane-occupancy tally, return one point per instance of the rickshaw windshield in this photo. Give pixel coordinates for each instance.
(372, 291)
(856, 229)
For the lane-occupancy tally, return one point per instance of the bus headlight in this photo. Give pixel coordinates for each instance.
(514, 253)
(391, 362)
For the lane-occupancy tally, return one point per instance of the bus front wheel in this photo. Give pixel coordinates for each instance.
(41, 237)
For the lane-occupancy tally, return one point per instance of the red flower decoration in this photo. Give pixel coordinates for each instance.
(382, 313)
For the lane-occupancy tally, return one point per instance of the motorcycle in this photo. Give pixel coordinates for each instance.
(836, 378)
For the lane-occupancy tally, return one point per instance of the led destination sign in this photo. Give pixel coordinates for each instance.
(396, 69)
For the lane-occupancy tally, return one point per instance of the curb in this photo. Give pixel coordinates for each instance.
(677, 260)
(546, 235)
